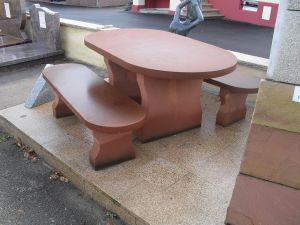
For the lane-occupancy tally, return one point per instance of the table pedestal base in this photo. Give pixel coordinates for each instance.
(171, 106)
(124, 80)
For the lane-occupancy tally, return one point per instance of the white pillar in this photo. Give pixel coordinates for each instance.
(284, 59)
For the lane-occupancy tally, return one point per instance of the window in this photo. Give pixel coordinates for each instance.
(249, 5)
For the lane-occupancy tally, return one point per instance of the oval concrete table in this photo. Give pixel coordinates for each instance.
(164, 71)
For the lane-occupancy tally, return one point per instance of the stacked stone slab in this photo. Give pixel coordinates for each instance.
(89, 3)
(45, 26)
(45, 34)
(267, 190)
(12, 22)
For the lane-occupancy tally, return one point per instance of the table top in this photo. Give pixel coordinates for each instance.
(162, 54)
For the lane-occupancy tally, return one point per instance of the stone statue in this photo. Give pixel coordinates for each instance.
(193, 18)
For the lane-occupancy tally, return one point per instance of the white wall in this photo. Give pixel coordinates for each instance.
(173, 4)
(138, 2)
(270, 1)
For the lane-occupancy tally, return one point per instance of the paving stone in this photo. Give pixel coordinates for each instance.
(273, 154)
(275, 108)
(256, 201)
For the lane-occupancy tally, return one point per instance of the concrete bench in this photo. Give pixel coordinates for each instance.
(234, 89)
(110, 115)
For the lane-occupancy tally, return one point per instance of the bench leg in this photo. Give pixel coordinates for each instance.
(111, 148)
(60, 109)
(233, 107)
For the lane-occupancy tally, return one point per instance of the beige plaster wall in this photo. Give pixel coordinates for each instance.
(72, 38)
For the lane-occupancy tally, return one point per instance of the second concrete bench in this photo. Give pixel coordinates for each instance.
(234, 89)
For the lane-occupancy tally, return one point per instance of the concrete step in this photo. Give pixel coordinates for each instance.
(206, 5)
(212, 15)
(163, 11)
(208, 11)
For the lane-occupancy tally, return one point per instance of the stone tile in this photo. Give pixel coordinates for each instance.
(275, 108)
(273, 155)
(256, 201)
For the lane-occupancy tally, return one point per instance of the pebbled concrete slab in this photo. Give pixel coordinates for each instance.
(186, 178)
(199, 191)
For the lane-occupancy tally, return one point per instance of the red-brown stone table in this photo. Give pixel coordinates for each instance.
(163, 70)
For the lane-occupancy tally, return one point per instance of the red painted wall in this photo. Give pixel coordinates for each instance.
(232, 9)
(157, 3)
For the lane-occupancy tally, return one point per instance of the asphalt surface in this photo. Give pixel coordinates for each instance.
(240, 37)
(27, 195)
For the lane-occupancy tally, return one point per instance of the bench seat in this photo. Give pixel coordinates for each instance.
(234, 89)
(110, 115)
